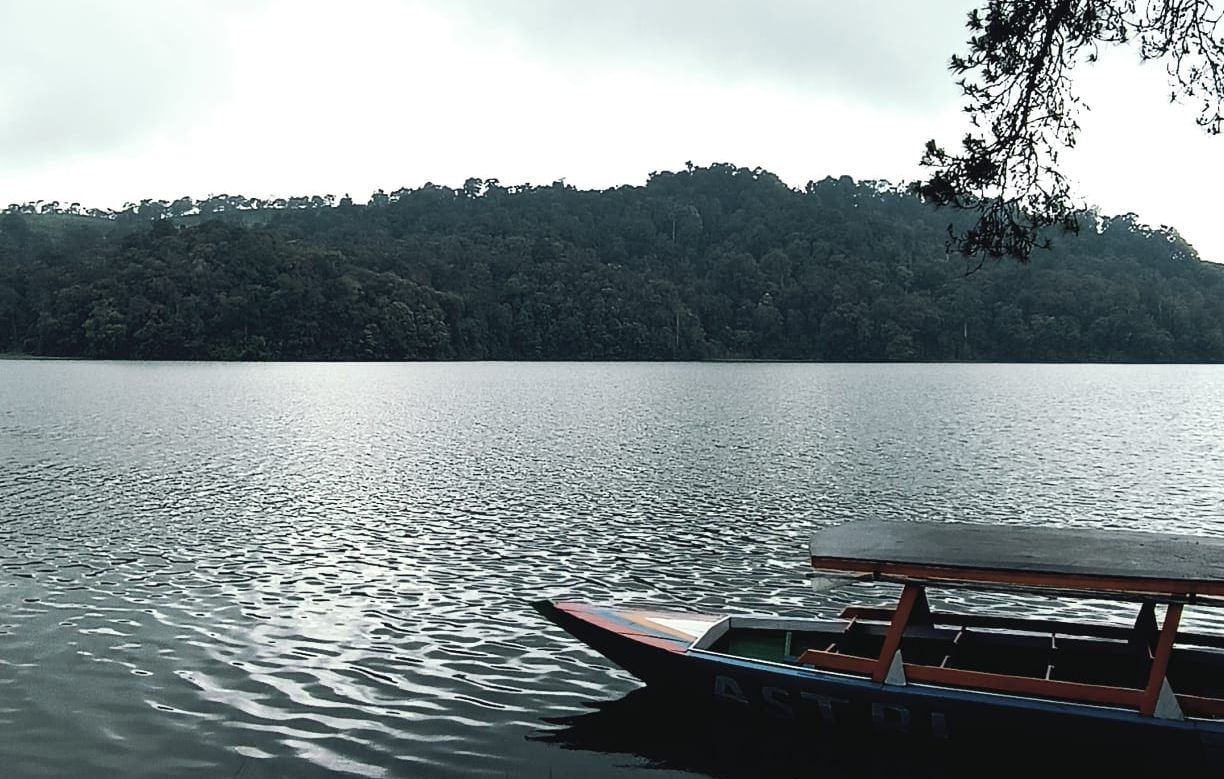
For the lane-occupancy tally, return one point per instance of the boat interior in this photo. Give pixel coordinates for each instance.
(1100, 664)
(1151, 668)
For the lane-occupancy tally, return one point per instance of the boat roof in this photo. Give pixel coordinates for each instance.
(1063, 558)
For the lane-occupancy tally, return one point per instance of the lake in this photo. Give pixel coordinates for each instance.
(266, 570)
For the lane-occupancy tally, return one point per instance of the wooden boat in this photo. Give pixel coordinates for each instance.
(942, 675)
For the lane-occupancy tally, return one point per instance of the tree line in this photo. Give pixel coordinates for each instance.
(702, 263)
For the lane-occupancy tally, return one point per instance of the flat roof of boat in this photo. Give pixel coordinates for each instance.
(1065, 558)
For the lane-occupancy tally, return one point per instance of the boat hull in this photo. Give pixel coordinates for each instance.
(809, 697)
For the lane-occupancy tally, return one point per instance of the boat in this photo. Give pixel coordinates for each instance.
(917, 672)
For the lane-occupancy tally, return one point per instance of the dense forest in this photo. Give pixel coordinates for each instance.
(703, 263)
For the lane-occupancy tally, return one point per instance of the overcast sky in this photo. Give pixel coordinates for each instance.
(102, 103)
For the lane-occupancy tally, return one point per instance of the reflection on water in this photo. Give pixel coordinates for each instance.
(305, 570)
(667, 735)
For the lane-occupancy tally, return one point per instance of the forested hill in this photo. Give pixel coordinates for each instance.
(705, 263)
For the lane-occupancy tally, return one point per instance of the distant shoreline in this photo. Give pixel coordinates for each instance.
(13, 356)
(717, 263)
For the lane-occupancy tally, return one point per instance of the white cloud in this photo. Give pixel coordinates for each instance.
(105, 104)
(82, 78)
(877, 50)
(1139, 153)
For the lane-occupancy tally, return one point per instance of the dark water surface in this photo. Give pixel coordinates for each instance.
(317, 569)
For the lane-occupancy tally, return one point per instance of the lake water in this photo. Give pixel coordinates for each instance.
(264, 570)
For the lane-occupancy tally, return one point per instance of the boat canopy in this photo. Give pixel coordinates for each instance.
(1063, 558)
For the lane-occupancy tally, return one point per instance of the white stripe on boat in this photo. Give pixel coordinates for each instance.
(690, 627)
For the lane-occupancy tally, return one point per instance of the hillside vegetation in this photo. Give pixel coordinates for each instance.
(704, 263)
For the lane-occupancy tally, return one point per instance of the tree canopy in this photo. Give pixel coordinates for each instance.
(1017, 81)
(700, 263)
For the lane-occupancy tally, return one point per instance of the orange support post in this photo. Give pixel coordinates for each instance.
(1160, 663)
(892, 641)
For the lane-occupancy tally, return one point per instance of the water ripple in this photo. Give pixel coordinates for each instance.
(309, 570)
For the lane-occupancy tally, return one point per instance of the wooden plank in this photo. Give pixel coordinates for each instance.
(1103, 695)
(1160, 662)
(1102, 585)
(1100, 695)
(832, 661)
(1081, 592)
(867, 613)
(1025, 685)
(1200, 706)
(1070, 629)
(1076, 692)
(911, 596)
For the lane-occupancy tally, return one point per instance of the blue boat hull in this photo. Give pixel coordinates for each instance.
(811, 697)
